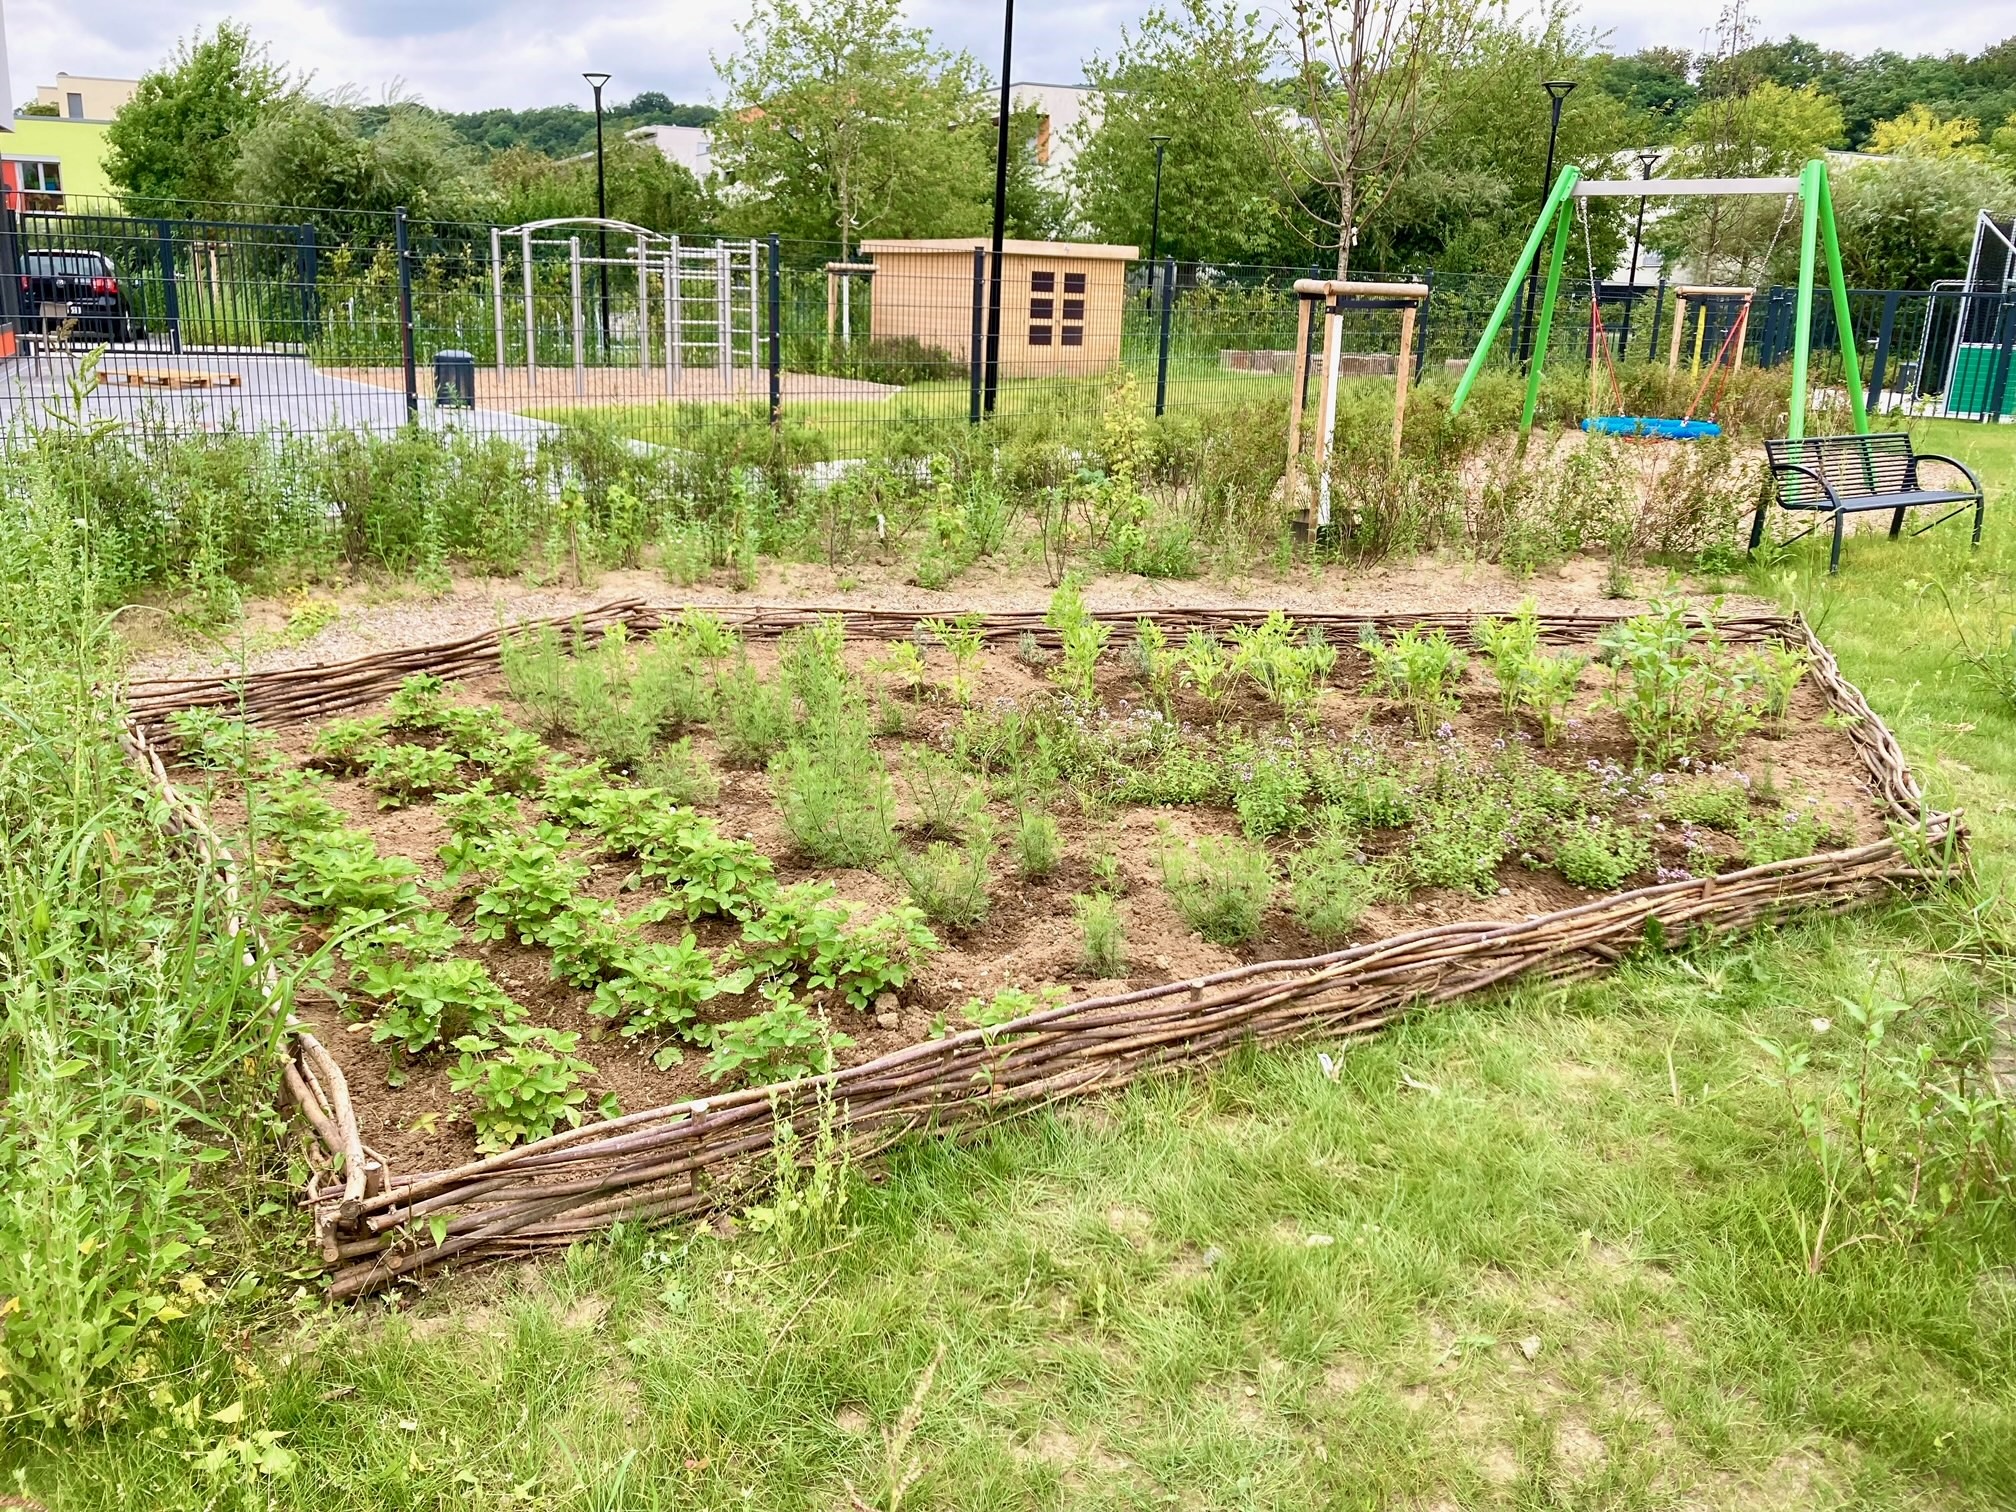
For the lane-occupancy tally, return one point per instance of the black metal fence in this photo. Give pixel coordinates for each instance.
(366, 322)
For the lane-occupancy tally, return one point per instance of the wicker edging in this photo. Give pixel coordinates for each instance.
(376, 1226)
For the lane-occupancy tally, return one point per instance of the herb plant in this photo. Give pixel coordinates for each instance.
(524, 1080)
(1221, 886)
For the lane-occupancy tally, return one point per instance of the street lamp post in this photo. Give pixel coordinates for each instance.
(1155, 219)
(1646, 162)
(992, 386)
(595, 82)
(1557, 91)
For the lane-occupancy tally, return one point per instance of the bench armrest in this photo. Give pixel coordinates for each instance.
(1954, 462)
(1800, 467)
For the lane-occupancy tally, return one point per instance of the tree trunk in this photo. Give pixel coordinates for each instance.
(1346, 207)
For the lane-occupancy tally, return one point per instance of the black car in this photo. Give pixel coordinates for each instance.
(59, 286)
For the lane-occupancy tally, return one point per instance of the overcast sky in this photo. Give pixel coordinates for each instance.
(464, 54)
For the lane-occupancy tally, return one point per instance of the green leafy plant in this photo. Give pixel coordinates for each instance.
(345, 745)
(1039, 846)
(1158, 664)
(1463, 827)
(1207, 667)
(524, 1080)
(1102, 934)
(1600, 854)
(1287, 672)
(753, 718)
(420, 705)
(589, 938)
(1713, 801)
(1679, 691)
(804, 935)
(475, 817)
(1791, 832)
(512, 760)
(1530, 680)
(1331, 884)
(1083, 639)
(681, 773)
(1221, 886)
(658, 988)
(400, 774)
(1420, 671)
(835, 799)
(949, 882)
(429, 1003)
(962, 637)
(1775, 670)
(1008, 1004)
(944, 802)
(342, 869)
(783, 1043)
(1270, 788)
(220, 742)
(531, 883)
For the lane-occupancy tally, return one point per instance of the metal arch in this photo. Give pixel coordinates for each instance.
(586, 220)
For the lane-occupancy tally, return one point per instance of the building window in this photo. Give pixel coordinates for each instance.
(1074, 335)
(1074, 309)
(75, 103)
(41, 183)
(1039, 335)
(1043, 309)
(1074, 283)
(1045, 283)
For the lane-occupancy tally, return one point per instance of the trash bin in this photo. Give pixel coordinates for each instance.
(455, 380)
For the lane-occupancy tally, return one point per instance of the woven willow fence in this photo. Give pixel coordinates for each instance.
(376, 1225)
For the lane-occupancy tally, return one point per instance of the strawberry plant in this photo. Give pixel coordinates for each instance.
(375, 941)
(804, 934)
(708, 872)
(220, 742)
(571, 789)
(342, 869)
(402, 773)
(783, 1043)
(432, 1002)
(290, 807)
(513, 759)
(476, 817)
(420, 705)
(344, 745)
(531, 883)
(658, 988)
(525, 1081)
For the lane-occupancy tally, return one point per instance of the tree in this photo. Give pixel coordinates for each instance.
(1910, 220)
(314, 153)
(1922, 132)
(645, 188)
(1370, 83)
(178, 138)
(840, 121)
(1191, 74)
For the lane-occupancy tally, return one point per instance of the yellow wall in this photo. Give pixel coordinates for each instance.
(78, 145)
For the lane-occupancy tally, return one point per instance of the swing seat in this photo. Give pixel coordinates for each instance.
(1659, 427)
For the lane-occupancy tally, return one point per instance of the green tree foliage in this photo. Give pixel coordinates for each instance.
(178, 137)
(1910, 220)
(841, 122)
(644, 187)
(564, 130)
(1190, 73)
(1654, 85)
(314, 152)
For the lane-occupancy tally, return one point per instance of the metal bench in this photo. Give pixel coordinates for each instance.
(1844, 475)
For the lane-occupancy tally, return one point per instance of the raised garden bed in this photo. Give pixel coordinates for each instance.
(909, 874)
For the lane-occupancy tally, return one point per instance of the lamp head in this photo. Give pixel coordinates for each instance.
(1159, 140)
(596, 81)
(1560, 89)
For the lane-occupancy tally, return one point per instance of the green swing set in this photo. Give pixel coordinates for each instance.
(1816, 230)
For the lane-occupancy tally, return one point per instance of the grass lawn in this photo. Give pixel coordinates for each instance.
(1545, 1249)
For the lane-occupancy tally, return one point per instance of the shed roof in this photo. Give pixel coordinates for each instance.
(1009, 248)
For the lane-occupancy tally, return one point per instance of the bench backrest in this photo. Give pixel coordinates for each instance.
(1857, 467)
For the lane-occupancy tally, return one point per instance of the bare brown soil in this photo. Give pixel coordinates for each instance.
(595, 387)
(1029, 938)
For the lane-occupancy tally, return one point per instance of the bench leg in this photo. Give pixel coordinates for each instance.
(1896, 523)
(1757, 526)
(1834, 557)
(1980, 508)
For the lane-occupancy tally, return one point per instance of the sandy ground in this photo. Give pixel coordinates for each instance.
(372, 616)
(515, 389)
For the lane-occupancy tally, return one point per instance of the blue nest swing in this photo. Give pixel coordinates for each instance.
(1660, 427)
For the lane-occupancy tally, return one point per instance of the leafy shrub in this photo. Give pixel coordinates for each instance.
(783, 1043)
(289, 807)
(342, 869)
(1331, 884)
(1680, 692)
(805, 935)
(834, 796)
(525, 1081)
(949, 882)
(531, 882)
(1158, 664)
(432, 1002)
(1600, 854)
(680, 773)
(1083, 639)
(1220, 886)
(1038, 845)
(752, 717)
(345, 745)
(1419, 670)
(399, 774)
(1102, 934)
(658, 988)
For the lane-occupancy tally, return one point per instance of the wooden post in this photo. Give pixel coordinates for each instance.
(1333, 336)
(1742, 335)
(1294, 476)
(1402, 369)
(832, 301)
(1679, 323)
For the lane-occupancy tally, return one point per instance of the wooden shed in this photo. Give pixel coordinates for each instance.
(1061, 302)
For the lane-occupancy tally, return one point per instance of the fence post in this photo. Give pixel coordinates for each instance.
(776, 332)
(1999, 369)
(973, 350)
(1162, 351)
(1421, 328)
(11, 313)
(304, 251)
(1890, 300)
(171, 293)
(405, 252)
(1658, 314)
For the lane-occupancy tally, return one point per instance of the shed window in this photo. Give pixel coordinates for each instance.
(1074, 335)
(1039, 335)
(1043, 309)
(1074, 309)
(1074, 283)
(1046, 283)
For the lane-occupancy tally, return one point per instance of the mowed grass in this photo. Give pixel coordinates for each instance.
(1543, 1249)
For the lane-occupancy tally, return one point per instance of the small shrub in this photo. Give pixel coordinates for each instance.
(658, 988)
(1157, 663)
(834, 797)
(1008, 1004)
(1221, 887)
(1039, 846)
(525, 1081)
(945, 803)
(1775, 670)
(680, 773)
(783, 1043)
(949, 882)
(1599, 854)
(401, 774)
(1421, 671)
(753, 718)
(1331, 884)
(1102, 935)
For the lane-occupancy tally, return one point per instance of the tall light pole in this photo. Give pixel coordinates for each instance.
(595, 82)
(1557, 91)
(1155, 220)
(1647, 161)
(992, 386)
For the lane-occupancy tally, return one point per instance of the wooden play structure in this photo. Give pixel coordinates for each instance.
(1337, 296)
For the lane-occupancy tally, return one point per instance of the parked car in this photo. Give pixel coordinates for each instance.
(59, 285)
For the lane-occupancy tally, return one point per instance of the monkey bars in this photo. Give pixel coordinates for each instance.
(1816, 232)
